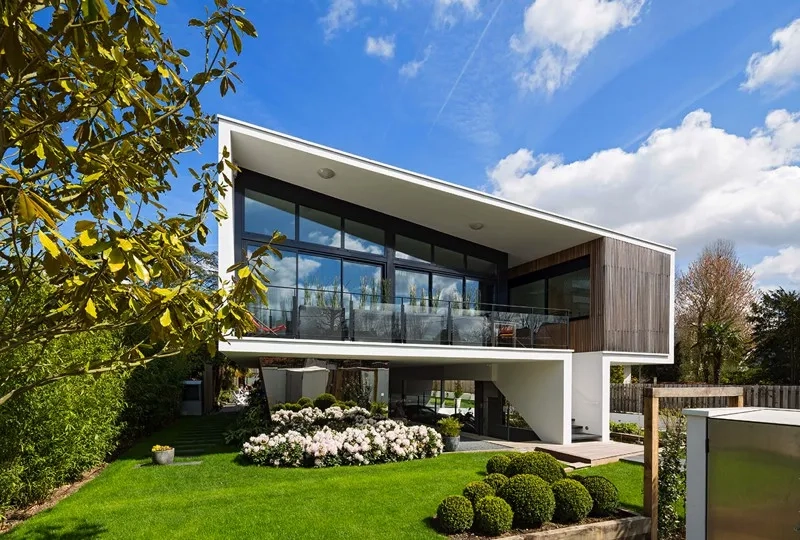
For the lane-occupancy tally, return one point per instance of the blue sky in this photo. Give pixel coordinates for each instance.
(671, 119)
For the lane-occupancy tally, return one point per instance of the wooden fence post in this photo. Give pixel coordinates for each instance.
(736, 401)
(651, 460)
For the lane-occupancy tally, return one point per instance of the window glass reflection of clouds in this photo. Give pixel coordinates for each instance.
(264, 214)
(411, 285)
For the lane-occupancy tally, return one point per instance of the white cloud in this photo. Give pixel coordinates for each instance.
(447, 12)
(779, 68)
(411, 69)
(382, 47)
(341, 16)
(783, 266)
(683, 186)
(559, 34)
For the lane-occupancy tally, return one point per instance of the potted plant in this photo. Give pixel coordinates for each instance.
(450, 428)
(163, 455)
(458, 391)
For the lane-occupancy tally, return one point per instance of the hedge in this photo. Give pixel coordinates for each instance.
(573, 502)
(455, 514)
(530, 498)
(493, 516)
(540, 464)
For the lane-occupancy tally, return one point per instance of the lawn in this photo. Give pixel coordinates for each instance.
(221, 498)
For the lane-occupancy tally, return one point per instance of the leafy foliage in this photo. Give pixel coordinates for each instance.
(96, 106)
(604, 494)
(323, 401)
(475, 491)
(496, 480)
(449, 427)
(52, 434)
(455, 514)
(541, 464)
(672, 477)
(573, 501)
(252, 419)
(498, 464)
(493, 516)
(631, 428)
(153, 395)
(775, 318)
(530, 498)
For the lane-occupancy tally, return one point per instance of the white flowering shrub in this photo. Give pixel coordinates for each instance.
(315, 438)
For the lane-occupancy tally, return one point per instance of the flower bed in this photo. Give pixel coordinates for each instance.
(312, 437)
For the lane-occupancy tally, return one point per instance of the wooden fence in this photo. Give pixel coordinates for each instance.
(629, 397)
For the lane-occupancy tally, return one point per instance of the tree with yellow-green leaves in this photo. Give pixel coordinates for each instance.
(96, 106)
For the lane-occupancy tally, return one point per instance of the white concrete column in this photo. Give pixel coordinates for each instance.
(591, 379)
(695, 476)
(626, 373)
(541, 391)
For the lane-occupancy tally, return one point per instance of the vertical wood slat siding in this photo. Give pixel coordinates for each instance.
(628, 398)
(636, 298)
(584, 334)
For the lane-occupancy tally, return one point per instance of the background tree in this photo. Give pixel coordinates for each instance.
(96, 106)
(719, 340)
(717, 288)
(775, 318)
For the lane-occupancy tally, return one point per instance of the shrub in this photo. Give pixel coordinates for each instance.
(50, 435)
(672, 476)
(153, 395)
(294, 407)
(305, 402)
(604, 494)
(493, 516)
(497, 464)
(540, 464)
(324, 401)
(630, 428)
(455, 514)
(573, 502)
(377, 408)
(475, 491)
(449, 427)
(496, 480)
(530, 498)
(251, 420)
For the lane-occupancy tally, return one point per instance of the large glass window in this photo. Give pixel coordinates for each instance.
(412, 250)
(530, 295)
(570, 291)
(264, 214)
(319, 279)
(479, 265)
(320, 227)
(562, 287)
(448, 258)
(363, 280)
(365, 238)
(411, 287)
(446, 288)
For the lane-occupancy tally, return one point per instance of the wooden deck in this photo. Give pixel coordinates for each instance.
(590, 452)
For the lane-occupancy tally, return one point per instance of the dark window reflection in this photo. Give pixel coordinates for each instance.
(264, 214)
(412, 250)
(364, 238)
(320, 227)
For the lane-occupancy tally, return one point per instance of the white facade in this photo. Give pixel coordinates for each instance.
(549, 387)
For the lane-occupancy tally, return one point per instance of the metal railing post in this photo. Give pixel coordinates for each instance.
(351, 330)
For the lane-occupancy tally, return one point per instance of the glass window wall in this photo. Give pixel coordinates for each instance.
(264, 214)
(364, 238)
(320, 227)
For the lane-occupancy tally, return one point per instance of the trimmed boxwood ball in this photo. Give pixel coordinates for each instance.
(496, 480)
(455, 514)
(573, 502)
(323, 401)
(497, 464)
(541, 464)
(605, 496)
(305, 402)
(530, 498)
(493, 516)
(475, 491)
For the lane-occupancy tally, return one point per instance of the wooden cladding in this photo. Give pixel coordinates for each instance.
(629, 296)
(636, 298)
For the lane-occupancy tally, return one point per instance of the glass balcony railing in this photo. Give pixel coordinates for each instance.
(344, 316)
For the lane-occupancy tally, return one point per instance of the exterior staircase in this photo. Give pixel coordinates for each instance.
(579, 434)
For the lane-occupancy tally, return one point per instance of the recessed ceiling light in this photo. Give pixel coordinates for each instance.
(476, 226)
(326, 173)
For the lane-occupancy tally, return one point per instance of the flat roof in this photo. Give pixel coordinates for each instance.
(757, 415)
(525, 233)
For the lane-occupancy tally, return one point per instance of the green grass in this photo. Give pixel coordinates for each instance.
(223, 499)
(629, 479)
(450, 402)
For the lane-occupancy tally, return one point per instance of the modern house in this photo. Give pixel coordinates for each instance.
(386, 268)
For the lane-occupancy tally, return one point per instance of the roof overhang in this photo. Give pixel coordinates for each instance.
(523, 232)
